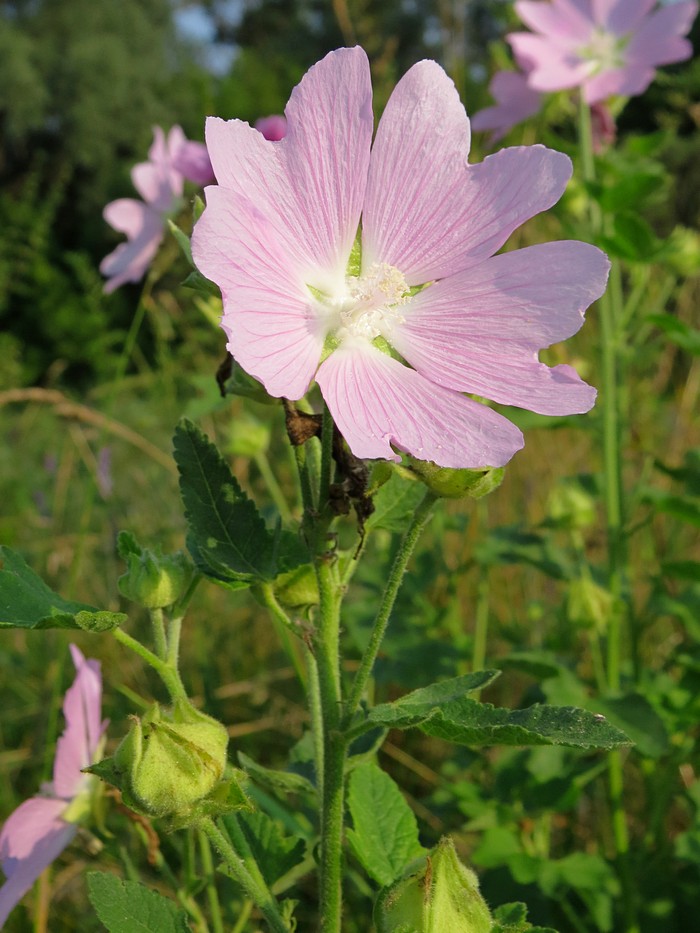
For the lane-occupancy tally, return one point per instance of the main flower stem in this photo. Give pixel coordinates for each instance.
(327, 653)
(610, 313)
(420, 518)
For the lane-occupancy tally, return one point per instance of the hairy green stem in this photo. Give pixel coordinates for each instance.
(167, 673)
(610, 316)
(420, 518)
(159, 639)
(240, 866)
(217, 920)
(284, 626)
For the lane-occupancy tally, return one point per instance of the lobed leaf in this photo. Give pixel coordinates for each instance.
(27, 602)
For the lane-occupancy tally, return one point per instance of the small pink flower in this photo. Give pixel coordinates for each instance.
(277, 236)
(41, 827)
(606, 47)
(515, 102)
(273, 127)
(160, 183)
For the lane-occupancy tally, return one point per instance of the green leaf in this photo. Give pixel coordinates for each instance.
(677, 331)
(27, 602)
(632, 239)
(422, 704)
(385, 834)
(228, 538)
(466, 722)
(395, 502)
(129, 907)
(275, 853)
(637, 717)
(183, 241)
(512, 918)
(289, 782)
(199, 283)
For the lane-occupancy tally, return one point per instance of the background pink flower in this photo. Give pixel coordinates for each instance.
(273, 127)
(606, 47)
(37, 832)
(515, 102)
(277, 236)
(160, 183)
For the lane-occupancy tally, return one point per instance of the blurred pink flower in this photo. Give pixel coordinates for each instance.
(160, 183)
(41, 827)
(277, 236)
(273, 127)
(606, 47)
(515, 102)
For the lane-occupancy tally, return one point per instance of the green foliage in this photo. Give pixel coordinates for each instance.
(27, 602)
(275, 852)
(228, 538)
(384, 837)
(129, 907)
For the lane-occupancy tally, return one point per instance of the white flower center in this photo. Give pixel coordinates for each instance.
(369, 303)
(604, 50)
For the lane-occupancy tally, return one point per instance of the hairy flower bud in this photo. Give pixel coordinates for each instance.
(169, 762)
(153, 580)
(443, 896)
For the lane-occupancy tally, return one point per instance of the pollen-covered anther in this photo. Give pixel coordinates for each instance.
(371, 301)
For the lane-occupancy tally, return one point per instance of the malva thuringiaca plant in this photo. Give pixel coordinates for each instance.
(364, 290)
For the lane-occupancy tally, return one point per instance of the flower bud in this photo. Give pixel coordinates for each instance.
(168, 763)
(297, 589)
(572, 506)
(444, 895)
(589, 605)
(153, 580)
(457, 484)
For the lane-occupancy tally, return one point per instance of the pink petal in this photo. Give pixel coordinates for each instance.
(552, 68)
(273, 127)
(158, 153)
(627, 81)
(312, 182)
(148, 181)
(658, 40)
(377, 402)
(480, 331)
(516, 103)
(269, 315)
(418, 173)
(621, 16)
(192, 161)
(126, 215)
(428, 212)
(82, 710)
(32, 837)
(129, 261)
(564, 25)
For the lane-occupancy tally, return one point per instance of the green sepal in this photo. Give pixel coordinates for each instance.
(456, 484)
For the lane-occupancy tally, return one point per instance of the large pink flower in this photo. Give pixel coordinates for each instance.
(277, 236)
(606, 47)
(41, 827)
(160, 183)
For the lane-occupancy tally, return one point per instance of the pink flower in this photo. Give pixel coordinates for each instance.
(300, 304)
(273, 127)
(515, 102)
(41, 827)
(606, 47)
(160, 183)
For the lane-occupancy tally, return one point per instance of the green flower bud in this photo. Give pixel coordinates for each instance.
(169, 763)
(456, 484)
(443, 896)
(248, 436)
(297, 589)
(153, 580)
(589, 605)
(572, 506)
